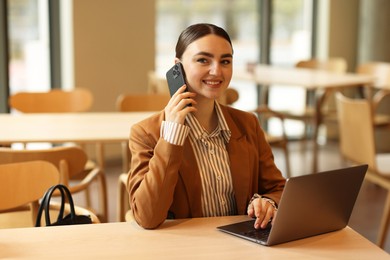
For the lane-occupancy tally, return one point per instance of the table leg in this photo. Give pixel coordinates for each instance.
(125, 157)
(318, 120)
(100, 155)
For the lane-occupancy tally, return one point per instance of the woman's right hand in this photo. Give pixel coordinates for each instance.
(178, 106)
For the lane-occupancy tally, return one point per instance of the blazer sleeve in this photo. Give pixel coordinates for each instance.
(153, 174)
(270, 182)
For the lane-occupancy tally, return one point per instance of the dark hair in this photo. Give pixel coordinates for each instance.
(196, 31)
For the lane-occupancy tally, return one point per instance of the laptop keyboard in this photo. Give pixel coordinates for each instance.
(258, 234)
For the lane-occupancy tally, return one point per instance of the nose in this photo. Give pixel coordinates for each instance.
(215, 69)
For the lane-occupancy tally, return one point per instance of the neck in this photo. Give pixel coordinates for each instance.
(206, 115)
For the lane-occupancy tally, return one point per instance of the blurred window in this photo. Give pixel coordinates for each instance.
(28, 45)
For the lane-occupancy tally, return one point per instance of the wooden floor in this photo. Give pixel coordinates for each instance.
(368, 208)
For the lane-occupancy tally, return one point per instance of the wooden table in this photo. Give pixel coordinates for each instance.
(309, 79)
(97, 128)
(179, 239)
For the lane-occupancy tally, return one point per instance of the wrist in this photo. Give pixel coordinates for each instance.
(268, 200)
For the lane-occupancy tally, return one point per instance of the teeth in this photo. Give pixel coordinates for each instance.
(212, 82)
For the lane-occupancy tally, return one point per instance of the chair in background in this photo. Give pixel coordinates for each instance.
(123, 199)
(229, 97)
(56, 101)
(336, 65)
(264, 114)
(70, 161)
(357, 144)
(157, 84)
(142, 102)
(381, 86)
(23, 184)
(53, 101)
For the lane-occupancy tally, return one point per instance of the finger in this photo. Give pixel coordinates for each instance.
(250, 210)
(178, 97)
(258, 212)
(267, 217)
(259, 207)
(263, 212)
(180, 90)
(174, 99)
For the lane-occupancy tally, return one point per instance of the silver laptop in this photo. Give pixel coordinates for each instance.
(310, 205)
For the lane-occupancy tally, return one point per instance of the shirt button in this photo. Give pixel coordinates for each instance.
(211, 151)
(219, 177)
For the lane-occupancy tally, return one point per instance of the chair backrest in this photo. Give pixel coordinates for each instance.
(157, 84)
(69, 160)
(53, 101)
(334, 64)
(380, 70)
(355, 119)
(25, 182)
(142, 102)
(229, 97)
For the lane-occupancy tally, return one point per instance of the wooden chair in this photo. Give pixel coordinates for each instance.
(123, 197)
(264, 113)
(230, 97)
(381, 72)
(53, 101)
(157, 84)
(24, 184)
(357, 144)
(70, 161)
(142, 102)
(56, 101)
(336, 65)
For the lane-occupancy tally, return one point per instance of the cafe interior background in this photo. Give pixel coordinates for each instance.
(110, 47)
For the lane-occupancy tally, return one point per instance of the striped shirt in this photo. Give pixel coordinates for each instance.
(212, 159)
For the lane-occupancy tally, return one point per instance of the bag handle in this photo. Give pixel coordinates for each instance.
(45, 204)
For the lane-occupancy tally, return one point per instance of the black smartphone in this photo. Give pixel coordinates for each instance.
(176, 78)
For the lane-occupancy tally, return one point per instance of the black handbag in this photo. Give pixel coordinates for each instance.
(70, 219)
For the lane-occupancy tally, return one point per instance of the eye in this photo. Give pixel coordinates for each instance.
(226, 62)
(202, 60)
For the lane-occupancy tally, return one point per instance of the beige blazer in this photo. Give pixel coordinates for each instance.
(164, 180)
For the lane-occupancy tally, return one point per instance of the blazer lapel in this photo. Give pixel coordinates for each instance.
(189, 173)
(241, 173)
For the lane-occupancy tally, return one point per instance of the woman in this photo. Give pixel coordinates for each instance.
(198, 158)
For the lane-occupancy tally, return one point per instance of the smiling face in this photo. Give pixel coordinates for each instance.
(208, 65)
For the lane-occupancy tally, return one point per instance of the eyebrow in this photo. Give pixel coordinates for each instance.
(227, 55)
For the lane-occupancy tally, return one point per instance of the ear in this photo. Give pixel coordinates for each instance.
(177, 60)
